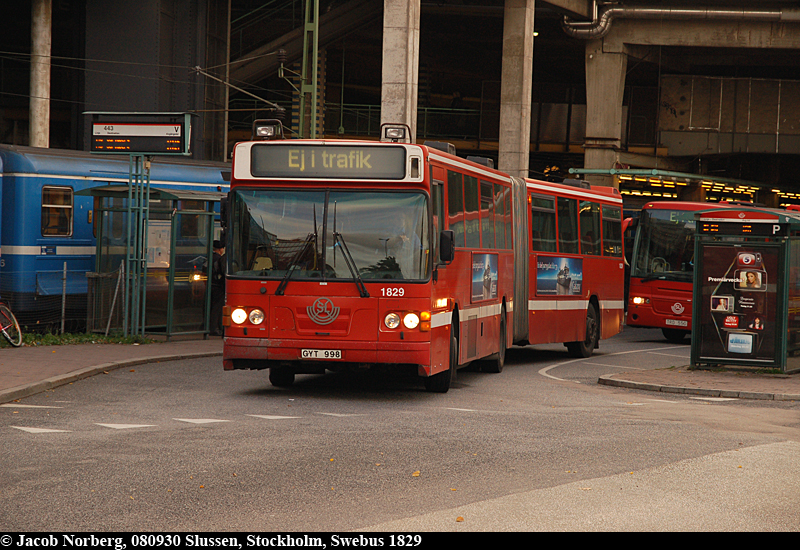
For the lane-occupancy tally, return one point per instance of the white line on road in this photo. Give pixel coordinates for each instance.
(199, 420)
(545, 370)
(39, 430)
(125, 426)
(20, 406)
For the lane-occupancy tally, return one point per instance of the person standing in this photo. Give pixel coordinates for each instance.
(217, 288)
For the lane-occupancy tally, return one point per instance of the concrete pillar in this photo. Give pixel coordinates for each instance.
(41, 39)
(400, 68)
(515, 88)
(605, 85)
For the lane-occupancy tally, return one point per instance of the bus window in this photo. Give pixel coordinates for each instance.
(509, 228)
(455, 206)
(487, 215)
(543, 224)
(499, 215)
(438, 216)
(56, 211)
(612, 231)
(590, 228)
(567, 225)
(472, 204)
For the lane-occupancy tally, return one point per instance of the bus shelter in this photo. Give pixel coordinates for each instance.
(747, 289)
(180, 230)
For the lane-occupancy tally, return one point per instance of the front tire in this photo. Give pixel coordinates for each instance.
(281, 377)
(674, 335)
(584, 349)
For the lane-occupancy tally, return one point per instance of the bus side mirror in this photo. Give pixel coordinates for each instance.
(447, 247)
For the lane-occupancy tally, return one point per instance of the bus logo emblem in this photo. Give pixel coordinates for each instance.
(677, 308)
(322, 311)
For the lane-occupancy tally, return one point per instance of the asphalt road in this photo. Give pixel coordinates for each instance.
(185, 446)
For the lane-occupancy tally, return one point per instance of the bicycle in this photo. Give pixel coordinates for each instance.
(9, 326)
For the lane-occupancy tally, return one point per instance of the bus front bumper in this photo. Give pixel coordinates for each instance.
(255, 353)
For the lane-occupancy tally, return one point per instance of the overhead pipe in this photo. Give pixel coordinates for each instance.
(604, 16)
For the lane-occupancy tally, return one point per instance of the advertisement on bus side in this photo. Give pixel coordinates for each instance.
(559, 276)
(484, 277)
(739, 303)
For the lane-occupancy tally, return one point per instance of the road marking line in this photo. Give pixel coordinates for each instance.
(125, 426)
(39, 430)
(268, 417)
(20, 406)
(544, 371)
(199, 420)
(341, 415)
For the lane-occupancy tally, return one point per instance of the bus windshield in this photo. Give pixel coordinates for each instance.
(664, 247)
(317, 233)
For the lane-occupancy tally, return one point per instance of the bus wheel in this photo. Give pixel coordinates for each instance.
(585, 348)
(281, 377)
(495, 363)
(674, 335)
(440, 383)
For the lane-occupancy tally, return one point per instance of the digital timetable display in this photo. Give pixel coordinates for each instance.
(309, 161)
(138, 138)
(140, 133)
(742, 228)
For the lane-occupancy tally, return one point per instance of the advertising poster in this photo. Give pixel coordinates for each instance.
(484, 277)
(739, 300)
(559, 276)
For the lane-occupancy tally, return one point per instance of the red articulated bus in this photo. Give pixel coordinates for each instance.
(577, 271)
(347, 254)
(662, 267)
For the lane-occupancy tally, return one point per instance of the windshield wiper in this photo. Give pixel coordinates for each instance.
(351, 264)
(293, 266)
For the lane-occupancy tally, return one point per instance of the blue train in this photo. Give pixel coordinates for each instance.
(44, 222)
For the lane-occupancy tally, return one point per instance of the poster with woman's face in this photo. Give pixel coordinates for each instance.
(737, 319)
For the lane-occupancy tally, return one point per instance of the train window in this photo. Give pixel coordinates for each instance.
(57, 211)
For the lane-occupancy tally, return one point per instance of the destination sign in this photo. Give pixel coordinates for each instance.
(311, 161)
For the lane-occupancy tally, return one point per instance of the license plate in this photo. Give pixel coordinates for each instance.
(677, 323)
(321, 354)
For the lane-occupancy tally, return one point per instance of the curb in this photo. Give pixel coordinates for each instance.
(607, 380)
(26, 390)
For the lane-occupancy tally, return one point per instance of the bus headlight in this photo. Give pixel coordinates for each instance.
(392, 320)
(238, 316)
(256, 316)
(638, 300)
(411, 320)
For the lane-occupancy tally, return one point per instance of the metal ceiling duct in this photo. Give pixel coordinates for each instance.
(604, 15)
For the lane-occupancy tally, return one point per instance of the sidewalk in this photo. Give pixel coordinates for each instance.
(739, 383)
(29, 370)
